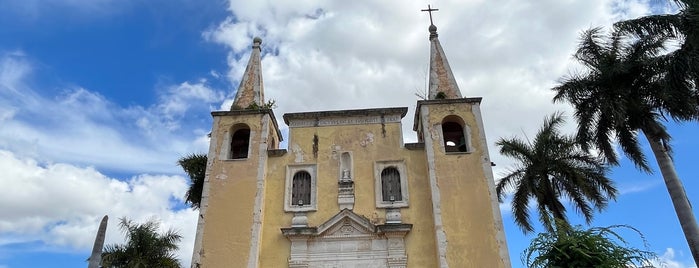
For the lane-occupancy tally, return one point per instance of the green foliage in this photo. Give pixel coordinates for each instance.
(270, 104)
(195, 167)
(552, 168)
(634, 84)
(623, 90)
(144, 247)
(575, 247)
(682, 27)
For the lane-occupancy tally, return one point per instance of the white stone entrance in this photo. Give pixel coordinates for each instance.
(348, 240)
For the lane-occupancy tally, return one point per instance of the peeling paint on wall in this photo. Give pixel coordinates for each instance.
(315, 146)
(335, 148)
(368, 139)
(298, 152)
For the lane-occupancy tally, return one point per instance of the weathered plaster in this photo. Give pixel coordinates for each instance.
(231, 207)
(332, 141)
(251, 88)
(298, 153)
(461, 179)
(441, 77)
(259, 193)
(488, 170)
(438, 184)
(211, 157)
(441, 237)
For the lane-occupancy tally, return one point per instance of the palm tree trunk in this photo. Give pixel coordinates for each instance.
(678, 195)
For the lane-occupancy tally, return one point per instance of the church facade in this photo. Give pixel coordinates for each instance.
(348, 192)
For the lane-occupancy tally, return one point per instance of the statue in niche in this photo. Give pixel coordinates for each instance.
(346, 175)
(346, 179)
(346, 172)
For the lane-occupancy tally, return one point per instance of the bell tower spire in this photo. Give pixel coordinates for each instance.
(251, 88)
(442, 84)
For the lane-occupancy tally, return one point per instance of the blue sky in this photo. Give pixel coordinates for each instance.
(98, 99)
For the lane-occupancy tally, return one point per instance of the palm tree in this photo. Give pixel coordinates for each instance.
(552, 168)
(683, 27)
(144, 247)
(195, 166)
(623, 92)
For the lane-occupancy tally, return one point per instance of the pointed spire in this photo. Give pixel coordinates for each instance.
(442, 82)
(96, 257)
(251, 89)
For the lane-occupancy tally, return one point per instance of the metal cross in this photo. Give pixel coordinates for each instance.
(430, 9)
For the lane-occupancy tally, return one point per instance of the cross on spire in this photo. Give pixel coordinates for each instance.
(430, 9)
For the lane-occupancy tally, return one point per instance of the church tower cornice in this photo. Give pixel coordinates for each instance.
(251, 89)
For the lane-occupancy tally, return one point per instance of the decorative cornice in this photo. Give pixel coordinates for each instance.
(416, 119)
(345, 117)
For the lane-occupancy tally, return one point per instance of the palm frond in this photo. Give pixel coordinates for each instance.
(656, 25)
(550, 168)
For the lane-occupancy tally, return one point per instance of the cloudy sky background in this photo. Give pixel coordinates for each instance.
(98, 100)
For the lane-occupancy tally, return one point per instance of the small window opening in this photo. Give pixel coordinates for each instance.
(454, 139)
(390, 185)
(240, 143)
(301, 189)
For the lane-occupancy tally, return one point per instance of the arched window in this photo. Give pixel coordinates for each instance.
(454, 134)
(240, 142)
(390, 185)
(301, 189)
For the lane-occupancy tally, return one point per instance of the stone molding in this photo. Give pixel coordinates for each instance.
(345, 117)
(290, 171)
(348, 239)
(378, 196)
(416, 118)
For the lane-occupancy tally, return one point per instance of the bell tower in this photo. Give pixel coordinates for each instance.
(467, 222)
(233, 196)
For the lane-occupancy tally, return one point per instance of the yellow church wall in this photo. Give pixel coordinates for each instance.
(230, 203)
(274, 245)
(367, 143)
(451, 201)
(420, 242)
(466, 202)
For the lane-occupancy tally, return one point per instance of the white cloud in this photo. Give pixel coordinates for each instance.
(12, 72)
(327, 56)
(179, 97)
(337, 55)
(82, 127)
(318, 55)
(61, 204)
(670, 259)
(636, 187)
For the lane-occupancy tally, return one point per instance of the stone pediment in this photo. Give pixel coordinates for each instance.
(348, 240)
(343, 224)
(346, 223)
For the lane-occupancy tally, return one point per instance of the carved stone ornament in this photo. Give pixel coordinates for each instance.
(348, 240)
